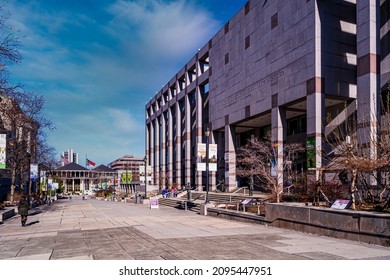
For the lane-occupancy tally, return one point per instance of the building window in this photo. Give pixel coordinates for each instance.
(226, 58)
(296, 125)
(247, 42)
(227, 27)
(247, 7)
(274, 21)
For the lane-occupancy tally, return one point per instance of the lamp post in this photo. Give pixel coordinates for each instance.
(146, 176)
(207, 134)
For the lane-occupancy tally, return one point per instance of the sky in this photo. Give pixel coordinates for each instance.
(97, 63)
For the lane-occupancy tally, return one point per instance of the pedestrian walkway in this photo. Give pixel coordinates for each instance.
(90, 229)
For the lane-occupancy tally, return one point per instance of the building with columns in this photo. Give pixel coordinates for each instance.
(76, 178)
(279, 66)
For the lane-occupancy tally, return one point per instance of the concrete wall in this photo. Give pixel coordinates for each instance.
(347, 224)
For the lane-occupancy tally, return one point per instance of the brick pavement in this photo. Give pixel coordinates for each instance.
(77, 229)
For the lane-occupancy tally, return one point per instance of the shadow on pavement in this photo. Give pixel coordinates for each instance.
(32, 223)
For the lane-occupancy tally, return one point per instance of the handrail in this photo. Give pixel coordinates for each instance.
(236, 191)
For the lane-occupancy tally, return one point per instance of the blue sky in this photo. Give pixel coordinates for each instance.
(97, 63)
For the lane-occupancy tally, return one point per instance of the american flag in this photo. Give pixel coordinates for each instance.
(64, 160)
(90, 162)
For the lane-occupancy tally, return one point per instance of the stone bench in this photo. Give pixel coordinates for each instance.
(6, 213)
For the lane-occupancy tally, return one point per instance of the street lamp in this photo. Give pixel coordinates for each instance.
(207, 134)
(146, 176)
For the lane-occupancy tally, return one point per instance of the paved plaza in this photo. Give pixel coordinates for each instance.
(89, 229)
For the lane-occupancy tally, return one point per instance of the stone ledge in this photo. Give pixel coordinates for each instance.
(359, 226)
(7, 213)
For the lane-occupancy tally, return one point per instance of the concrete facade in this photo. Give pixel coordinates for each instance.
(279, 66)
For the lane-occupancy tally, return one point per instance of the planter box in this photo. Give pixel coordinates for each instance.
(360, 226)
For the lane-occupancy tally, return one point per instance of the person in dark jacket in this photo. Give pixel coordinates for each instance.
(23, 210)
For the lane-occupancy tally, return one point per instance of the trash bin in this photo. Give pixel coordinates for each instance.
(138, 199)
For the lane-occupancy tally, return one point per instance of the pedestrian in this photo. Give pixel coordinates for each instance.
(23, 210)
(172, 192)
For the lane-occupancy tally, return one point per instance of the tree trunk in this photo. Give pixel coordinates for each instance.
(13, 184)
(353, 189)
(251, 186)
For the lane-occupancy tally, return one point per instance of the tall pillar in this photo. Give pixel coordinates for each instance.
(187, 139)
(368, 75)
(315, 107)
(157, 152)
(213, 174)
(152, 148)
(278, 123)
(163, 151)
(178, 141)
(147, 148)
(170, 147)
(230, 158)
(315, 103)
(82, 185)
(199, 133)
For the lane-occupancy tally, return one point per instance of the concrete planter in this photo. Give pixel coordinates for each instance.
(360, 226)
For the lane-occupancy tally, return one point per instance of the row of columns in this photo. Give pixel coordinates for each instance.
(179, 138)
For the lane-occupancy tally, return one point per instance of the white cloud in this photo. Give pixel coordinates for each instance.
(96, 78)
(172, 29)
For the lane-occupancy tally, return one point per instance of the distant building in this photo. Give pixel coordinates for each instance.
(18, 149)
(128, 163)
(76, 178)
(69, 156)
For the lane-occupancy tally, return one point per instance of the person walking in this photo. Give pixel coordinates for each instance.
(23, 210)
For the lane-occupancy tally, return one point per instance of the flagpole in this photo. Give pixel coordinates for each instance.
(86, 161)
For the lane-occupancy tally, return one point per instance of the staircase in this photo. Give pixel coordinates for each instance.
(179, 203)
(198, 198)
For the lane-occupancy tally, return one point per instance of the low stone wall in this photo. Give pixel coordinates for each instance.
(360, 226)
(6, 213)
(236, 215)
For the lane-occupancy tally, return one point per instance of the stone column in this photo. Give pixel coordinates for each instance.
(187, 139)
(213, 174)
(230, 158)
(278, 123)
(157, 152)
(368, 76)
(199, 134)
(315, 118)
(163, 151)
(151, 159)
(315, 107)
(170, 147)
(178, 141)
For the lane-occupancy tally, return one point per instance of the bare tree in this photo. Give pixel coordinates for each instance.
(351, 155)
(21, 112)
(256, 159)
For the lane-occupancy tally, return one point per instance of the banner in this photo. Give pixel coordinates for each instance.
(148, 173)
(142, 173)
(50, 183)
(213, 157)
(201, 157)
(126, 176)
(34, 172)
(3, 146)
